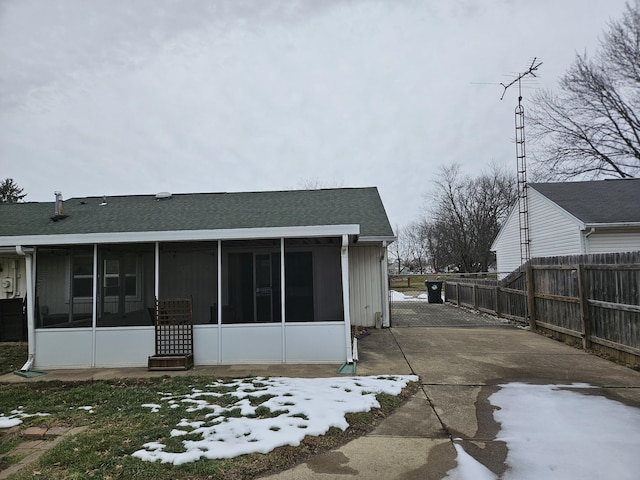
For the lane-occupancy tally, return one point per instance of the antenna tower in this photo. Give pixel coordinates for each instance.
(521, 158)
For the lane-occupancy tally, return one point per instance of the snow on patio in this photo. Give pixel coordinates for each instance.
(560, 432)
(292, 409)
(402, 297)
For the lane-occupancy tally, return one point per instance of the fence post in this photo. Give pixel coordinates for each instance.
(474, 294)
(457, 294)
(497, 305)
(583, 291)
(531, 299)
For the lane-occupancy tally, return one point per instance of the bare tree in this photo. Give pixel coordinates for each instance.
(415, 240)
(592, 127)
(466, 216)
(10, 192)
(398, 250)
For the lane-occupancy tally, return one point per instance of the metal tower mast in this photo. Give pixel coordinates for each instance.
(521, 158)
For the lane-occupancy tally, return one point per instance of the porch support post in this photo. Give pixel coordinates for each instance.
(219, 301)
(282, 302)
(344, 262)
(156, 280)
(94, 305)
(31, 325)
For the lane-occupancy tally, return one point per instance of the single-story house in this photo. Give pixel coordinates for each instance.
(273, 277)
(573, 218)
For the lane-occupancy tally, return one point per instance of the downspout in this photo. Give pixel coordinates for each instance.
(585, 246)
(344, 262)
(384, 286)
(31, 326)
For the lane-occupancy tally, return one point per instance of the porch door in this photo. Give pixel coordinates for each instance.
(118, 282)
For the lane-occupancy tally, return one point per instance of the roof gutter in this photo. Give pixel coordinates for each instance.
(612, 225)
(300, 231)
(27, 253)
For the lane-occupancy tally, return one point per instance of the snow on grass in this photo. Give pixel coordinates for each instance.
(259, 414)
(557, 433)
(15, 417)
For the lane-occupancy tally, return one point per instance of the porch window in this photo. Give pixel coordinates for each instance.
(125, 285)
(64, 286)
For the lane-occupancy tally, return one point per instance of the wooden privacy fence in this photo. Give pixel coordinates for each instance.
(589, 299)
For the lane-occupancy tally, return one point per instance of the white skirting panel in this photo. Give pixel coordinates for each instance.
(315, 342)
(205, 344)
(124, 346)
(321, 342)
(254, 343)
(63, 348)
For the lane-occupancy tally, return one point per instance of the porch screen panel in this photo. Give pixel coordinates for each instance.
(313, 280)
(64, 287)
(251, 281)
(125, 285)
(189, 270)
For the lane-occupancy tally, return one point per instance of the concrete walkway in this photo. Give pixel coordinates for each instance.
(459, 369)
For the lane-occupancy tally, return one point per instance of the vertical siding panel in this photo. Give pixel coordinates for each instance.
(364, 284)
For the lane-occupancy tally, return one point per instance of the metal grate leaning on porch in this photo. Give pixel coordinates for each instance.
(173, 320)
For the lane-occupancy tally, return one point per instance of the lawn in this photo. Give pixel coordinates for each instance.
(122, 419)
(12, 356)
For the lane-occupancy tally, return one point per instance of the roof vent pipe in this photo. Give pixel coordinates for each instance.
(57, 213)
(58, 207)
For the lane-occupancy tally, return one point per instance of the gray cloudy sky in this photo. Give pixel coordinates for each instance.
(113, 97)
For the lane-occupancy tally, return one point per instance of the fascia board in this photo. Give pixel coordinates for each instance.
(612, 225)
(376, 239)
(184, 235)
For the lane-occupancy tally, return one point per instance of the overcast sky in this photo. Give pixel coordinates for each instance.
(114, 97)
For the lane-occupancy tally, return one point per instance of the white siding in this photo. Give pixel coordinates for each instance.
(552, 232)
(365, 285)
(613, 241)
(507, 245)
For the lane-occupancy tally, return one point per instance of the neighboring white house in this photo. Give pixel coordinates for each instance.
(274, 277)
(573, 218)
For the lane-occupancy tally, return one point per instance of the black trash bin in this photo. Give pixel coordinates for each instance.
(434, 291)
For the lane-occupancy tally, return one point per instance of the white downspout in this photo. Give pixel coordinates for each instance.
(31, 326)
(344, 262)
(585, 246)
(384, 285)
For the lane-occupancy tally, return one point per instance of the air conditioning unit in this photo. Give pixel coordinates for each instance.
(7, 284)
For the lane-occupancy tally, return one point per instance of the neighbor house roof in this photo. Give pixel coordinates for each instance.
(596, 202)
(201, 211)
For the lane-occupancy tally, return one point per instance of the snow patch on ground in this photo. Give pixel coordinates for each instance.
(15, 417)
(290, 409)
(556, 432)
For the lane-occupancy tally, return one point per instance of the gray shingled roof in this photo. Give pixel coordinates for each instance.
(197, 211)
(604, 201)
